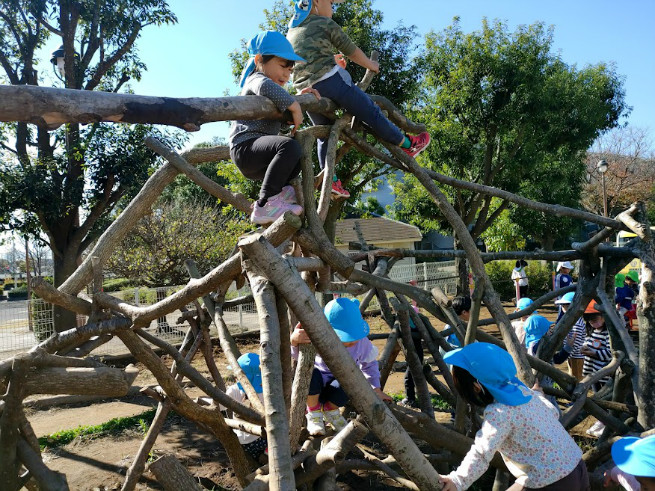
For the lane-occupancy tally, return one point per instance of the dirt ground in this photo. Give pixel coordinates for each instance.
(101, 463)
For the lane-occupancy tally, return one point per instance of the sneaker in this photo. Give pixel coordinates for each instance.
(315, 424)
(339, 191)
(288, 194)
(596, 429)
(334, 419)
(408, 402)
(418, 143)
(274, 208)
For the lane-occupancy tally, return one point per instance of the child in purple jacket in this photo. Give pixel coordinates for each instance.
(326, 396)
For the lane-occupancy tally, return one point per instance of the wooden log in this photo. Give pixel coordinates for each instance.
(389, 355)
(305, 306)
(277, 423)
(47, 479)
(172, 475)
(10, 419)
(415, 365)
(105, 381)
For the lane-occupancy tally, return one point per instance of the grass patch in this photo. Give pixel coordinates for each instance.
(438, 403)
(140, 422)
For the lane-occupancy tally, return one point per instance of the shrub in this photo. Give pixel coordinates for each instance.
(146, 295)
(539, 278)
(19, 293)
(116, 284)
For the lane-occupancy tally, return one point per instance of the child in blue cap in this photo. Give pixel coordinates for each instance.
(315, 37)
(325, 394)
(519, 423)
(635, 464)
(249, 362)
(256, 147)
(577, 334)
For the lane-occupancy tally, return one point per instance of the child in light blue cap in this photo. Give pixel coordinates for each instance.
(519, 423)
(326, 396)
(256, 147)
(635, 463)
(249, 362)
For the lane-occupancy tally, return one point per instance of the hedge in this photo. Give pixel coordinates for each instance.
(539, 278)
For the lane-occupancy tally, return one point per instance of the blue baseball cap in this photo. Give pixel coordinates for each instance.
(523, 303)
(249, 363)
(345, 318)
(535, 328)
(567, 298)
(267, 43)
(494, 368)
(635, 456)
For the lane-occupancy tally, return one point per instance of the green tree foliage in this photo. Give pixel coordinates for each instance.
(153, 254)
(67, 182)
(503, 234)
(397, 81)
(502, 108)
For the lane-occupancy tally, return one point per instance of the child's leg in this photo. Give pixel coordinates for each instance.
(356, 102)
(321, 144)
(314, 416)
(273, 159)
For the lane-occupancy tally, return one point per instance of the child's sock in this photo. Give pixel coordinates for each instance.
(406, 142)
(314, 408)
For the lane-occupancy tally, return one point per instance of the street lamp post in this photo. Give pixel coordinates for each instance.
(601, 167)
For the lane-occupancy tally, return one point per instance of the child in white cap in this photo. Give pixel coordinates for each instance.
(326, 396)
(577, 335)
(519, 423)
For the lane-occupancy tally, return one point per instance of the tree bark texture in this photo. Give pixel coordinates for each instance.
(304, 305)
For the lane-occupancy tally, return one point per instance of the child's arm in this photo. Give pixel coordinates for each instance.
(359, 57)
(296, 110)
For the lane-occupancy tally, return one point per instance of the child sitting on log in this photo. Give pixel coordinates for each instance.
(256, 147)
(315, 36)
(519, 423)
(326, 396)
(635, 464)
(249, 362)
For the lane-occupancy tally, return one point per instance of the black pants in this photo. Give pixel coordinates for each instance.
(275, 160)
(410, 388)
(328, 392)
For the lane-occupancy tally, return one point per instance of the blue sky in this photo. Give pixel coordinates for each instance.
(190, 59)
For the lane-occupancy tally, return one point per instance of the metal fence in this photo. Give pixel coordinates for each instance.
(23, 323)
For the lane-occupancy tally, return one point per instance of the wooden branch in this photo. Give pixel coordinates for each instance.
(238, 200)
(304, 305)
(278, 232)
(50, 294)
(277, 423)
(47, 479)
(172, 475)
(105, 381)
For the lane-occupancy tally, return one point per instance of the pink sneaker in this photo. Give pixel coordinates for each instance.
(339, 191)
(288, 194)
(274, 208)
(418, 144)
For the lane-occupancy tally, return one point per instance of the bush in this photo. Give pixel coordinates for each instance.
(539, 278)
(146, 296)
(19, 293)
(116, 284)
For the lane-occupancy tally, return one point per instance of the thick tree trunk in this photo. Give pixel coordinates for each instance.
(63, 268)
(461, 270)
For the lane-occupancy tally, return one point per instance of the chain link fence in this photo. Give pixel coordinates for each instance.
(24, 323)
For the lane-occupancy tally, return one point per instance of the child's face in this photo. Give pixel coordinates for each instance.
(597, 322)
(465, 315)
(324, 7)
(565, 270)
(278, 70)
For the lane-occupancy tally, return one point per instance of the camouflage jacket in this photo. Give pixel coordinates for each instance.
(317, 39)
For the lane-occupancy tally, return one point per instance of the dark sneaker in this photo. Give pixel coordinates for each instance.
(418, 143)
(339, 191)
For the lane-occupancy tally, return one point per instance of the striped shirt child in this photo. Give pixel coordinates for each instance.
(599, 342)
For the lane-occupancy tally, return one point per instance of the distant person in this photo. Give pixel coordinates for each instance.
(520, 278)
(624, 294)
(577, 334)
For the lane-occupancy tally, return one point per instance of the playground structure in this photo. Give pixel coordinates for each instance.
(285, 265)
